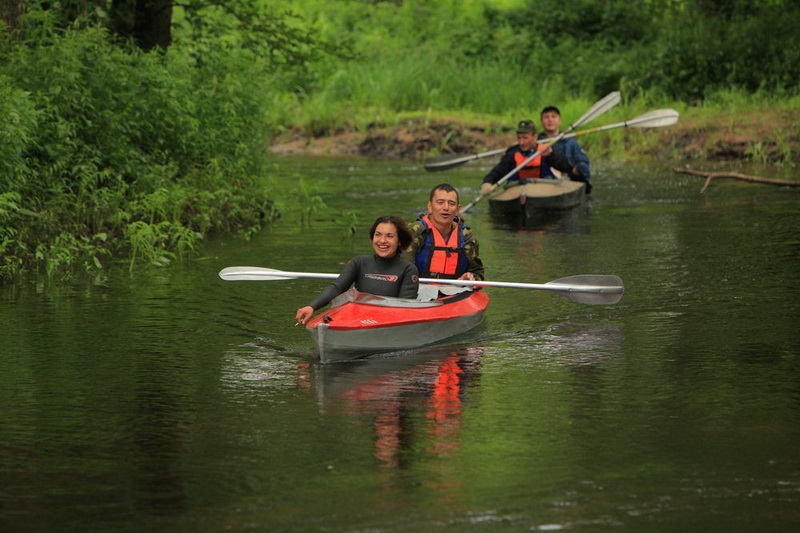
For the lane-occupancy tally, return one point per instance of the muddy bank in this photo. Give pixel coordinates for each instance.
(770, 136)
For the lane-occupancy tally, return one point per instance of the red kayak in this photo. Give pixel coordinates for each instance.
(362, 324)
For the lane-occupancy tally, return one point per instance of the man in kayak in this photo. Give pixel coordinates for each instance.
(567, 155)
(443, 246)
(517, 155)
(384, 273)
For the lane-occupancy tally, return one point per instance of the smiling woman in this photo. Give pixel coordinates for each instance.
(384, 273)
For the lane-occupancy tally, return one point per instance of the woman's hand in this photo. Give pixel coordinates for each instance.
(303, 314)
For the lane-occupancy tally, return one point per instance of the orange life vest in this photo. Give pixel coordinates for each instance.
(531, 170)
(444, 256)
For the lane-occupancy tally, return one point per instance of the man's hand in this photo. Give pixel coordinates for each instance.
(486, 188)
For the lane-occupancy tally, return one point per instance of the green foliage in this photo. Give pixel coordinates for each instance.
(349, 221)
(284, 44)
(307, 198)
(757, 153)
(18, 123)
(378, 92)
(756, 51)
(480, 55)
(9, 211)
(105, 138)
(67, 252)
(153, 242)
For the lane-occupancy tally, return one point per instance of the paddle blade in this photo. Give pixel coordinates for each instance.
(244, 273)
(609, 101)
(591, 298)
(446, 162)
(594, 289)
(658, 118)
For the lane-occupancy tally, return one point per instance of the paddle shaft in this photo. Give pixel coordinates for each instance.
(254, 273)
(591, 289)
(652, 119)
(595, 111)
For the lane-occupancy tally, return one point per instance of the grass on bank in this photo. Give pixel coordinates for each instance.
(767, 126)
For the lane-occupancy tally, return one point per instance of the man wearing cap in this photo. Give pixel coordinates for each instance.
(515, 156)
(567, 156)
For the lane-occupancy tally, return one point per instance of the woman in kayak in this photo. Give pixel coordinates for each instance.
(382, 273)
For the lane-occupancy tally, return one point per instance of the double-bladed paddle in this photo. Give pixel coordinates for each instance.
(657, 118)
(585, 289)
(595, 111)
(446, 162)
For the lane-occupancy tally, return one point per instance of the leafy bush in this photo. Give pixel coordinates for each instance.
(107, 139)
(18, 124)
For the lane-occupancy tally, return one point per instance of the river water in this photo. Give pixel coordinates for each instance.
(173, 401)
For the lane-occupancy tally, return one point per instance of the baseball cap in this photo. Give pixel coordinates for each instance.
(526, 126)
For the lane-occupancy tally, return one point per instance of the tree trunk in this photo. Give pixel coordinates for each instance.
(9, 12)
(147, 22)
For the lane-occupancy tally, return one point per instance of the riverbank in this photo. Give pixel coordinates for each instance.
(760, 135)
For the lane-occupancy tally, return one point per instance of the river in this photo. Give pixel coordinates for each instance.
(170, 400)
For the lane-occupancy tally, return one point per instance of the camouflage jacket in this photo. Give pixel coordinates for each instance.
(420, 231)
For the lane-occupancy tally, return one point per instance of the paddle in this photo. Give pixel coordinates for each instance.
(446, 162)
(585, 289)
(595, 111)
(658, 118)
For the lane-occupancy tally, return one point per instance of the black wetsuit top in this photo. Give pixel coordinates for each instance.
(375, 275)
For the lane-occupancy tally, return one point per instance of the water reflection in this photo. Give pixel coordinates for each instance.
(180, 402)
(414, 401)
(158, 435)
(567, 221)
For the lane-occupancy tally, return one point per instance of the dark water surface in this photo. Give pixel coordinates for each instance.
(174, 401)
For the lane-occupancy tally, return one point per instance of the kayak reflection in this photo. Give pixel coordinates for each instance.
(413, 400)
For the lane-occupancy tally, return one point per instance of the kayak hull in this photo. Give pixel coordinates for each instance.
(537, 196)
(359, 328)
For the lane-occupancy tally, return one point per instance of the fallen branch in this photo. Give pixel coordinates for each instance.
(734, 175)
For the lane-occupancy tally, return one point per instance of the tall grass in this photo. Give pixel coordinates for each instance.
(361, 94)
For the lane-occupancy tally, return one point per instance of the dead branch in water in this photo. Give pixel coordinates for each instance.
(734, 175)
